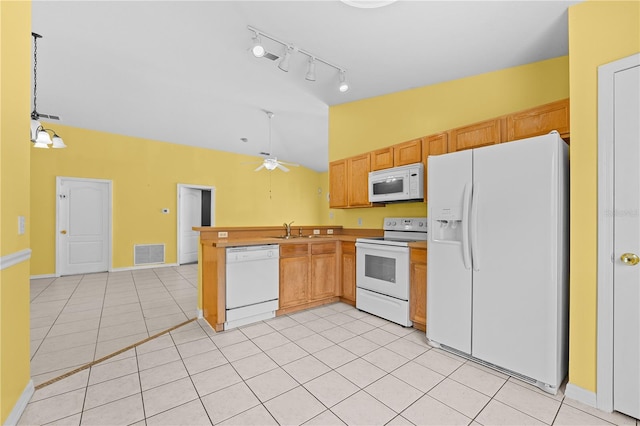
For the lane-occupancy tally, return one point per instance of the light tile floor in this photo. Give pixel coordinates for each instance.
(331, 365)
(80, 318)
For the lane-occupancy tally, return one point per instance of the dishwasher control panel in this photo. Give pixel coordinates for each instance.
(250, 253)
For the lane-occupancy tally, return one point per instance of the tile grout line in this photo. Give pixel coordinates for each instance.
(106, 357)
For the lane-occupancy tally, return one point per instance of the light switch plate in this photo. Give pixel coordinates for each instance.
(21, 225)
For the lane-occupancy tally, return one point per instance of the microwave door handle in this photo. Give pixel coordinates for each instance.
(466, 251)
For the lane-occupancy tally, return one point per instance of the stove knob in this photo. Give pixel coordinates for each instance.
(394, 223)
(420, 224)
(388, 223)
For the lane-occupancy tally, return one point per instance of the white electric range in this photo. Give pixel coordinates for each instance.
(382, 269)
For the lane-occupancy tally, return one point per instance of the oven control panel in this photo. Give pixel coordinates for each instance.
(414, 224)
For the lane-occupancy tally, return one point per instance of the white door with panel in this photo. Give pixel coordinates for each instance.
(83, 226)
(626, 268)
(190, 216)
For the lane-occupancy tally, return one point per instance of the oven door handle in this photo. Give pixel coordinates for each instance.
(382, 247)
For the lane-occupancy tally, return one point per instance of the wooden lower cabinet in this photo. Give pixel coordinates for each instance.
(418, 294)
(323, 271)
(294, 281)
(348, 271)
(308, 275)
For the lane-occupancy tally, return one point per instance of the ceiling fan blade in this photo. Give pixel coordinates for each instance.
(259, 168)
(281, 167)
(252, 162)
(289, 164)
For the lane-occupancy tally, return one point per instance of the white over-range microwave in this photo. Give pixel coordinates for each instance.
(397, 184)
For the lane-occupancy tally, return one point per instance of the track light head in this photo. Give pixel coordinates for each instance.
(343, 86)
(284, 63)
(258, 49)
(311, 70)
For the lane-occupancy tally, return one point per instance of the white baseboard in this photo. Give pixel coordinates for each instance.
(37, 277)
(135, 268)
(581, 395)
(14, 258)
(200, 314)
(21, 405)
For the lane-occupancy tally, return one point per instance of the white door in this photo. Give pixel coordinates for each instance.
(515, 253)
(190, 200)
(449, 272)
(83, 226)
(626, 270)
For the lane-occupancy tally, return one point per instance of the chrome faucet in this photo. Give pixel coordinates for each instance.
(287, 227)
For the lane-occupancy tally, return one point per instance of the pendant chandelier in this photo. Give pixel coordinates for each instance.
(39, 135)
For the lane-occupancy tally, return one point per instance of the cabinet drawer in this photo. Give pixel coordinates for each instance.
(294, 250)
(418, 256)
(348, 247)
(322, 248)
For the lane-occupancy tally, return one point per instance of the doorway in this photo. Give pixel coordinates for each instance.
(618, 356)
(83, 225)
(196, 207)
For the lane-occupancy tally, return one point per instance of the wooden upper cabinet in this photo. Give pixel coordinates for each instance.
(404, 153)
(436, 145)
(539, 121)
(409, 152)
(338, 184)
(476, 135)
(382, 159)
(358, 172)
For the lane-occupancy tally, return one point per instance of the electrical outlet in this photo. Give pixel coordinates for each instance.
(223, 234)
(359, 221)
(330, 215)
(329, 231)
(21, 225)
(316, 232)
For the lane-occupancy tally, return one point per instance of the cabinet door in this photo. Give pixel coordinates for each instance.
(382, 159)
(323, 276)
(433, 145)
(407, 153)
(476, 135)
(418, 296)
(294, 281)
(349, 271)
(539, 121)
(338, 184)
(359, 168)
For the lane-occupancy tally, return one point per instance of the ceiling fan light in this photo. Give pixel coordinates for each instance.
(58, 142)
(343, 86)
(284, 63)
(270, 164)
(311, 70)
(257, 49)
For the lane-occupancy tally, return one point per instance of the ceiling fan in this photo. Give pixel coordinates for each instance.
(272, 163)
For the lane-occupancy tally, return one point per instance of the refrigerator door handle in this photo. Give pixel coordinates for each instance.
(475, 257)
(466, 251)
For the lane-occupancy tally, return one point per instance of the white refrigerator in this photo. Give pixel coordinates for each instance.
(497, 279)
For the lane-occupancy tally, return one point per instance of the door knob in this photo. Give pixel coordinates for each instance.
(64, 231)
(630, 259)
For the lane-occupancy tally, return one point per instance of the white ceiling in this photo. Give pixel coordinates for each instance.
(181, 71)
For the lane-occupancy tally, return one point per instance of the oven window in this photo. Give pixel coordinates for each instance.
(380, 268)
(392, 186)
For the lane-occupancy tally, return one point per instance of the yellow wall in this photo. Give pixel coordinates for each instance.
(599, 32)
(145, 175)
(15, 80)
(378, 122)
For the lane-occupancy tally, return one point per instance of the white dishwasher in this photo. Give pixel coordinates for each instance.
(253, 281)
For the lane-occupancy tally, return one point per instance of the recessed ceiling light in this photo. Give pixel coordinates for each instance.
(368, 4)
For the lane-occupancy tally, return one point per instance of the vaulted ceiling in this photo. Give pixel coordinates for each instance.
(181, 71)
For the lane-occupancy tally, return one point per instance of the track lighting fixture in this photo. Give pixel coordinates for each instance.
(39, 135)
(259, 51)
(343, 86)
(284, 63)
(311, 70)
